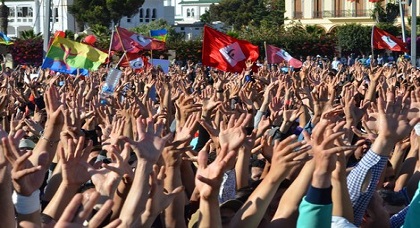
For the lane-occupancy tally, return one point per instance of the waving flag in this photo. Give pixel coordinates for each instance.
(278, 55)
(5, 39)
(384, 40)
(124, 40)
(160, 34)
(135, 61)
(226, 53)
(68, 55)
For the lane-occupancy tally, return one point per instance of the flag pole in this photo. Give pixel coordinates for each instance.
(124, 54)
(371, 44)
(413, 33)
(265, 51)
(151, 49)
(110, 46)
(122, 45)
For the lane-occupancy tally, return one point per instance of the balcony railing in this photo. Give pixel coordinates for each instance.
(297, 15)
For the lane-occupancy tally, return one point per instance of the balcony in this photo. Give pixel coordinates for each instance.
(297, 15)
(342, 13)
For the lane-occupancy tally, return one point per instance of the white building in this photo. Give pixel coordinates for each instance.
(330, 13)
(27, 15)
(150, 11)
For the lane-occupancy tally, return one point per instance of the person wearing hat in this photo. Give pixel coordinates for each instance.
(26, 144)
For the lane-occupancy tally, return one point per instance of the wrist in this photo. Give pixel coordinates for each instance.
(321, 179)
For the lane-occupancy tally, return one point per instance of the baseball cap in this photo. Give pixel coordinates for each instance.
(340, 222)
(26, 144)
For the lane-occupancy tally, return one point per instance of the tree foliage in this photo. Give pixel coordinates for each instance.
(387, 14)
(354, 37)
(243, 13)
(103, 12)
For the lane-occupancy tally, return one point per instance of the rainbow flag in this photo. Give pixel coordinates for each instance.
(5, 39)
(160, 34)
(68, 54)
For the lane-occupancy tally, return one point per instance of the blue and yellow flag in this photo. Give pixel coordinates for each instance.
(160, 34)
(4, 39)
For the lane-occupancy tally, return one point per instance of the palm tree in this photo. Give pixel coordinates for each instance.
(4, 14)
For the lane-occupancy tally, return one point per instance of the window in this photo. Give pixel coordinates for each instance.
(128, 19)
(55, 15)
(147, 15)
(141, 15)
(192, 13)
(182, 28)
(188, 13)
(12, 12)
(154, 14)
(24, 11)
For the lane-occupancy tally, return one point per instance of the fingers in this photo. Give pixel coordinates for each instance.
(101, 215)
(71, 209)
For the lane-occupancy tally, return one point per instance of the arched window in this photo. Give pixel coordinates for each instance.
(192, 13)
(188, 13)
(147, 15)
(153, 14)
(141, 15)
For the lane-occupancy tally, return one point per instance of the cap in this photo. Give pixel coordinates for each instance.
(233, 204)
(26, 143)
(340, 222)
(318, 56)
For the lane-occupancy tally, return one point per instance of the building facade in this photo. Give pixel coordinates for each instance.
(150, 11)
(27, 15)
(331, 13)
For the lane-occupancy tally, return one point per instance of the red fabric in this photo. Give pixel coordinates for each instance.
(278, 55)
(124, 40)
(226, 53)
(384, 40)
(130, 56)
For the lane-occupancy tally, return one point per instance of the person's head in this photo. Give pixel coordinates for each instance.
(26, 145)
(228, 210)
(257, 167)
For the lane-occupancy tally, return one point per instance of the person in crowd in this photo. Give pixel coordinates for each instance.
(314, 148)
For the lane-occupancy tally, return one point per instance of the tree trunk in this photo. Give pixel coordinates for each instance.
(4, 14)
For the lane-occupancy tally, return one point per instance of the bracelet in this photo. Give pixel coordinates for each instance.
(220, 91)
(49, 141)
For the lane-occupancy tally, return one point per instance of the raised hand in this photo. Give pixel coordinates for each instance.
(159, 199)
(26, 176)
(74, 158)
(209, 177)
(149, 144)
(78, 211)
(233, 134)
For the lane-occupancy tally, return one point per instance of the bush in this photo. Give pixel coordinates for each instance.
(27, 52)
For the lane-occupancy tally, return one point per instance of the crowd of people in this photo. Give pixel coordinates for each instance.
(331, 146)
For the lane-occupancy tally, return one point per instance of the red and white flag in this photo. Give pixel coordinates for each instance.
(384, 40)
(135, 61)
(124, 40)
(226, 53)
(278, 55)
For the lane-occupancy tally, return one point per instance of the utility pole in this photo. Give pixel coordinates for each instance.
(46, 30)
(413, 32)
(402, 19)
(37, 25)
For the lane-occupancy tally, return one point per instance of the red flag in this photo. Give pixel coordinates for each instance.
(132, 57)
(124, 40)
(278, 55)
(226, 53)
(384, 40)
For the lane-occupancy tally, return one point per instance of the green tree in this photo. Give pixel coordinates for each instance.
(243, 13)
(354, 37)
(4, 13)
(387, 14)
(103, 12)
